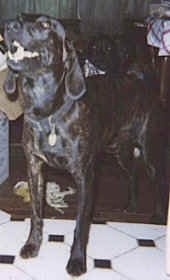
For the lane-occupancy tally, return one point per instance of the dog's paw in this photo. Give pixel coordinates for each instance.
(76, 267)
(29, 251)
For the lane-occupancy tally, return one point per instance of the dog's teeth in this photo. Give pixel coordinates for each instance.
(20, 53)
(10, 55)
(30, 54)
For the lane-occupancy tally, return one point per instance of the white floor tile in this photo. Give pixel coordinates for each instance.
(105, 242)
(13, 236)
(4, 217)
(142, 263)
(8, 272)
(161, 243)
(50, 264)
(60, 227)
(101, 274)
(115, 242)
(143, 231)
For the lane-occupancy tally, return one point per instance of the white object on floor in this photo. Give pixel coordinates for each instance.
(54, 195)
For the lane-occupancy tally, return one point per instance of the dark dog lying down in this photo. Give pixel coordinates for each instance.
(68, 120)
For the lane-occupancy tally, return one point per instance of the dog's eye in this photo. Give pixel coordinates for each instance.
(45, 25)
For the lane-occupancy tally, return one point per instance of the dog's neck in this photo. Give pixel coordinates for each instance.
(50, 122)
(42, 91)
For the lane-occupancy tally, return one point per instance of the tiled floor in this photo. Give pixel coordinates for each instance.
(116, 251)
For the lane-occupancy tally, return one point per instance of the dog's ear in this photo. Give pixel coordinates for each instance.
(59, 30)
(10, 83)
(74, 80)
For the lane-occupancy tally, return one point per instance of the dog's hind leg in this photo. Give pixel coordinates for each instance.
(157, 143)
(77, 262)
(36, 186)
(127, 155)
(160, 184)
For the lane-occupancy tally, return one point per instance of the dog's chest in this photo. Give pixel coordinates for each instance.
(53, 140)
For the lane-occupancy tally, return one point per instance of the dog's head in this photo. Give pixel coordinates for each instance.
(102, 52)
(37, 46)
(34, 44)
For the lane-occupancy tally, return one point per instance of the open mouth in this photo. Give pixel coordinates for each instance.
(20, 53)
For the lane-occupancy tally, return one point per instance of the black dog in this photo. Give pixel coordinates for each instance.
(68, 120)
(128, 64)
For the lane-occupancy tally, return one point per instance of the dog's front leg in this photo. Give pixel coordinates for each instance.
(36, 185)
(77, 262)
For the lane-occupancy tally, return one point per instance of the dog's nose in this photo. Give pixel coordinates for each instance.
(14, 26)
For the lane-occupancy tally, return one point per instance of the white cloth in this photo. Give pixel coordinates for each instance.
(159, 35)
(91, 70)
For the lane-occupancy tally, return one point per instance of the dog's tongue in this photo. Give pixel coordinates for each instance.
(10, 83)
